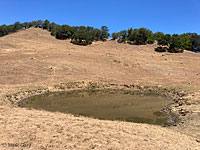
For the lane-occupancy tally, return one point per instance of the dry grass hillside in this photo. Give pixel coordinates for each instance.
(33, 58)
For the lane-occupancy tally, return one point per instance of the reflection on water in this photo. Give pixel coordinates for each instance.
(106, 106)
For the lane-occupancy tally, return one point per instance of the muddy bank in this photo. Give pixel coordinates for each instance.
(18, 99)
(54, 131)
(42, 64)
(64, 126)
(121, 105)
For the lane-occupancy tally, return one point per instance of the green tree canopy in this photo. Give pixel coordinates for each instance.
(83, 35)
(140, 36)
(185, 42)
(104, 33)
(46, 24)
(115, 36)
(160, 38)
(175, 42)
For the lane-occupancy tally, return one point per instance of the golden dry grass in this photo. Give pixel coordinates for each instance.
(32, 58)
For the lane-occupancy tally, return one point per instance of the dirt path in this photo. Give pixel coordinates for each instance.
(32, 59)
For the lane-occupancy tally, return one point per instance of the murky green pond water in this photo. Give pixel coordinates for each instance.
(106, 106)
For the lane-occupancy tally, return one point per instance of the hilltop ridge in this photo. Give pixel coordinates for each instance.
(33, 59)
(129, 63)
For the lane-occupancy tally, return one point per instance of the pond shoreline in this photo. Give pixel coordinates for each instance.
(177, 97)
(134, 112)
(33, 63)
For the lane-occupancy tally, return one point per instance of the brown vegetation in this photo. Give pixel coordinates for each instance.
(33, 59)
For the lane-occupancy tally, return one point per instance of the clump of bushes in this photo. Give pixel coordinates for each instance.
(172, 43)
(140, 36)
(7, 29)
(177, 43)
(82, 35)
(79, 35)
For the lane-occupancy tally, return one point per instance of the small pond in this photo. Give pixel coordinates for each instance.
(105, 106)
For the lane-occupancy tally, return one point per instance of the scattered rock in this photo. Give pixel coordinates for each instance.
(175, 50)
(198, 141)
(161, 49)
(117, 61)
(183, 112)
(125, 85)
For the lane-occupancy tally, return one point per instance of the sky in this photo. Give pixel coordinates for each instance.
(168, 16)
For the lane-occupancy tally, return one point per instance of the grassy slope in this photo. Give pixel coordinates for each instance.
(33, 58)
